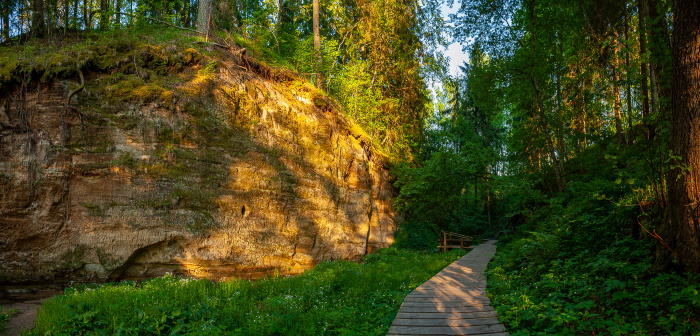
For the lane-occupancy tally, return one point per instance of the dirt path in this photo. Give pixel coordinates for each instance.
(27, 300)
(24, 320)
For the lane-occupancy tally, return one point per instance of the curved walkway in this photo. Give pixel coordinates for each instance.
(453, 302)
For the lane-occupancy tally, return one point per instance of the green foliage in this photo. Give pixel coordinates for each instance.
(416, 236)
(585, 190)
(581, 262)
(441, 192)
(539, 288)
(456, 187)
(335, 298)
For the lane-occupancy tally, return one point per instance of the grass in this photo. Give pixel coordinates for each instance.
(335, 298)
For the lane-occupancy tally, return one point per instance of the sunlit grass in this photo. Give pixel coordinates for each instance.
(335, 298)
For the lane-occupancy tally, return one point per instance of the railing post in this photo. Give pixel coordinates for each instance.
(444, 241)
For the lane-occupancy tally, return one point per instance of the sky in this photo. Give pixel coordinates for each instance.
(454, 51)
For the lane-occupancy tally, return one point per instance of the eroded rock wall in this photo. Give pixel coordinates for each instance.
(215, 172)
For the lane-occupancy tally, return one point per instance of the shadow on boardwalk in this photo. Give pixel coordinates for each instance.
(453, 302)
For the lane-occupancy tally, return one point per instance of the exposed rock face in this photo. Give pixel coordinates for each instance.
(219, 172)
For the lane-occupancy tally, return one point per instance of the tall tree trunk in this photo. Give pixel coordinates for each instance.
(654, 84)
(557, 163)
(682, 231)
(86, 19)
(561, 126)
(76, 26)
(317, 40)
(628, 96)
(280, 12)
(185, 17)
(104, 15)
(487, 182)
(6, 23)
(660, 61)
(617, 101)
(628, 77)
(66, 9)
(118, 9)
(585, 132)
(38, 18)
(476, 192)
(204, 16)
(643, 15)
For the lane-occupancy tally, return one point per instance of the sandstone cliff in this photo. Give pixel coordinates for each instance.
(190, 159)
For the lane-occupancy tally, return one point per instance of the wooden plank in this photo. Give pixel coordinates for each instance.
(470, 330)
(489, 334)
(445, 298)
(450, 304)
(448, 291)
(464, 284)
(448, 316)
(453, 302)
(466, 322)
(454, 295)
(409, 309)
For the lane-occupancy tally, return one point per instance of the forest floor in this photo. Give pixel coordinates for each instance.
(26, 302)
(24, 319)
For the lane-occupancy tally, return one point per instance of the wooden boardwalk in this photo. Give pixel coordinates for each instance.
(453, 302)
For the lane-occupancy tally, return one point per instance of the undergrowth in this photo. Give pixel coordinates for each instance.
(538, 290)
(335, 298)
(581, 264)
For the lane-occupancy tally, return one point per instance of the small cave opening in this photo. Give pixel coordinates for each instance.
(243, 211)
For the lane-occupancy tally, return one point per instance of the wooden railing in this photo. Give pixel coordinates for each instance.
(451, 240)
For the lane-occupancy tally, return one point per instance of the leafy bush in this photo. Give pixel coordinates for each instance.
(538, 290)
(416, 236)
(335, 298)
(581, 264)
(439, 194)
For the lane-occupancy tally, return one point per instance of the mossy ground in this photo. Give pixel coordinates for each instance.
(58, 58)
